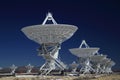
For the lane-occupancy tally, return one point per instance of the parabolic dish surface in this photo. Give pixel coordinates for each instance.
(97, 58)
(111, 63)
(106, 61)
(49, 33)
(83, 52)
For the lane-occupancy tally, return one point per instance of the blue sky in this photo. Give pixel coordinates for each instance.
(98, 23)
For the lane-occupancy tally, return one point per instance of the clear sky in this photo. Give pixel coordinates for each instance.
(98, 23)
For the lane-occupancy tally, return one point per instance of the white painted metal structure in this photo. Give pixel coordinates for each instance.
(13, 68)
(106, 65)
(96, 62)
(50, 37)
(84, 50)
(109, 66)
(84, 54)
(29, 68)
(74, 66)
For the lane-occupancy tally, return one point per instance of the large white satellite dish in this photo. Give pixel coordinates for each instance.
(50, 37)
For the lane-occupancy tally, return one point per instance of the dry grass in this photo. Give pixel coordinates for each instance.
(109, 77)
(40, 78)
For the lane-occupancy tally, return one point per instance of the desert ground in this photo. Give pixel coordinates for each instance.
(105, 77)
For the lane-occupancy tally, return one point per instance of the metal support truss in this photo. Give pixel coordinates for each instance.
(13, 68)
(86, 67)
(49, 17)
(50, 54)
(29, 68)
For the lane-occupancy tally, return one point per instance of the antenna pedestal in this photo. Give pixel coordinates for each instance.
(86, 67)
(50, 54)
(13, 68)
(29, 68)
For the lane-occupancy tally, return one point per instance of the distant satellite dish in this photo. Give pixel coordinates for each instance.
(13, 68)
(98, 58)
(84, 52)
(29, 68)
(74, 65)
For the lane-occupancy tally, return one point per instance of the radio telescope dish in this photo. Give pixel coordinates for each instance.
(107, 64)
(105, 61)
(110, 63)
(98, 58)
(50, 37)
(29, 68)
(13, 68)
(84, 52)
(49, 33)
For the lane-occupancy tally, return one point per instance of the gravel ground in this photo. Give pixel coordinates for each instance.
(107, 77)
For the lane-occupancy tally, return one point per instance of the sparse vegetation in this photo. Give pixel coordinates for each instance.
(106, 77)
